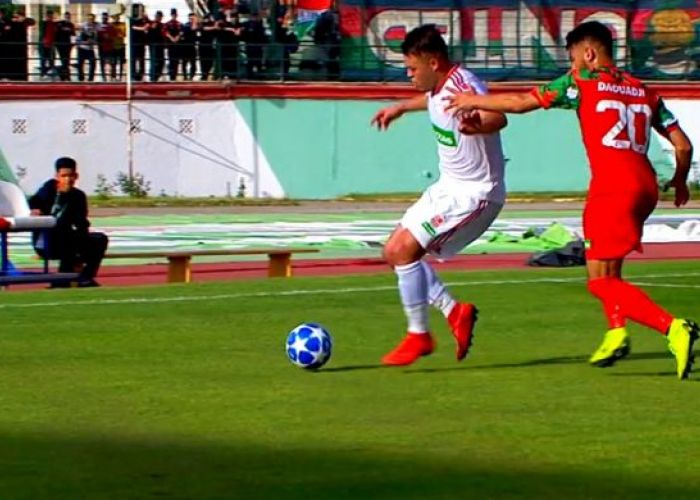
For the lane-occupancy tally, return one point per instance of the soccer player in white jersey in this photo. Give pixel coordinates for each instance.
(456, 209)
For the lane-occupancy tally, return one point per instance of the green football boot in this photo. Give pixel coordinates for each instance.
(681, 335)
(615, 346)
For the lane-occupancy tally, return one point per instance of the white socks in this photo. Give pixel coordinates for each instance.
(438, 296)
(418, 287)
(413, 290)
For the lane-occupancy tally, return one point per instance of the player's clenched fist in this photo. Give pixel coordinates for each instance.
(682, 194)
(470, 123)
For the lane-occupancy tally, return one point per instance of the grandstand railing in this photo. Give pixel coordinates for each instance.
(351, 63)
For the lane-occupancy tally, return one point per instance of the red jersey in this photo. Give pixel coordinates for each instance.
(616, 113)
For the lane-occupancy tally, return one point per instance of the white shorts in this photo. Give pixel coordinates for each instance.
(444, 224)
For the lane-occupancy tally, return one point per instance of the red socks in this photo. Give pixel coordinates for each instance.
(622, 300)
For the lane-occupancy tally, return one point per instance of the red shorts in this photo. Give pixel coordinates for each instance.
(613, 223)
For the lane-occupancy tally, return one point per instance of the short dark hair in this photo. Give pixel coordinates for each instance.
(592, 30)
(425, 39)
(66, 162)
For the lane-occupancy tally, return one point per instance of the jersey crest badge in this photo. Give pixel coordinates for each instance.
(437, 221)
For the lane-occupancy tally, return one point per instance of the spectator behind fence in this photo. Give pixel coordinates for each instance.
(139, 34)
(156, 43)
(327, 37)
(87, 42)
(208, 33)
(105, 48)
(173, 39)
(119, 55)
(47, 45)
(17, 58)
(230, 32)
(70, 240)
(190, 35)
(4, 35)
(65, 31)
(255, 39)
(287, 41)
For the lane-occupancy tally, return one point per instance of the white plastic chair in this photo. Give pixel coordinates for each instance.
(15, 209)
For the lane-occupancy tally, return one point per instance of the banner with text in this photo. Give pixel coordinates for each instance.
(506, 39)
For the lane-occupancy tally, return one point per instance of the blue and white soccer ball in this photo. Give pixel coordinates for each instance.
(309, 346)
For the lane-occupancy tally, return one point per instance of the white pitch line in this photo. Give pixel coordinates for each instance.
(665, 285)
(276, 293)
(319, 291)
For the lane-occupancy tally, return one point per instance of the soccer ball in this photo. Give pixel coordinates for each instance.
(309, 346)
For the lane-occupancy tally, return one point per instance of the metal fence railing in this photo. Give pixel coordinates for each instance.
(305, 61)
(353, 40)
(32, 62)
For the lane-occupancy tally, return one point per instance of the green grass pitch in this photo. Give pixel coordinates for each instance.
(186, 392)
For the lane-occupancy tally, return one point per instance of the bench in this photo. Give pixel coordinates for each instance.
(26, 277)
(180, 261)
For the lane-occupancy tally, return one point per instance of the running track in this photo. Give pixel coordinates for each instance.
(156, 273)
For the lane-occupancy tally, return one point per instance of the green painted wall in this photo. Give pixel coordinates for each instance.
(327, 149)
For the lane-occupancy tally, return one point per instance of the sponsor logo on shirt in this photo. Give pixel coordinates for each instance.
(445, 137)
(429, 229)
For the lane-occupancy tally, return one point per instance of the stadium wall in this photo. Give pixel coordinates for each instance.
(298, 148)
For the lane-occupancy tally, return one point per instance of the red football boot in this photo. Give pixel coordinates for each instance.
(461, 320)
(412, 347)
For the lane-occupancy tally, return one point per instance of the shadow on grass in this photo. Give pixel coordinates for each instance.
(561, 360)
(564, 360)
(669, 374)
(350, 368)
(58, 467)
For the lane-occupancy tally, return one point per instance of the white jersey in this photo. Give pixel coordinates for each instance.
(472, 162)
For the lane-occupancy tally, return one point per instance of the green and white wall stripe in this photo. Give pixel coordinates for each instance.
(312, 149)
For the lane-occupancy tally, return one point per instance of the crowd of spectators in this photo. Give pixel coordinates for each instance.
(236, 42)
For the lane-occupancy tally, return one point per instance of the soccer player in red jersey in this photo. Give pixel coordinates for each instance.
(616, 112)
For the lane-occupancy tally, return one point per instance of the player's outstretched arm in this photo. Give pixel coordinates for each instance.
(684, 154)
(504, 103)
(383, 118)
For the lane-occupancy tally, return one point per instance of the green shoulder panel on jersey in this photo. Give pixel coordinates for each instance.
(445, 137)
(664, 115)
(561, 93)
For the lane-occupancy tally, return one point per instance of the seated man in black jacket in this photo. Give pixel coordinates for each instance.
(70, 240)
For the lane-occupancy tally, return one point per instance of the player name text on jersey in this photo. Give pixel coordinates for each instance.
(620, 89)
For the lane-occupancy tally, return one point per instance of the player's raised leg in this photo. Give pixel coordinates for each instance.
(630, 302)
(622, 300)
(682, 334)
(467, 220)
(460, 316)
(403, 252)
